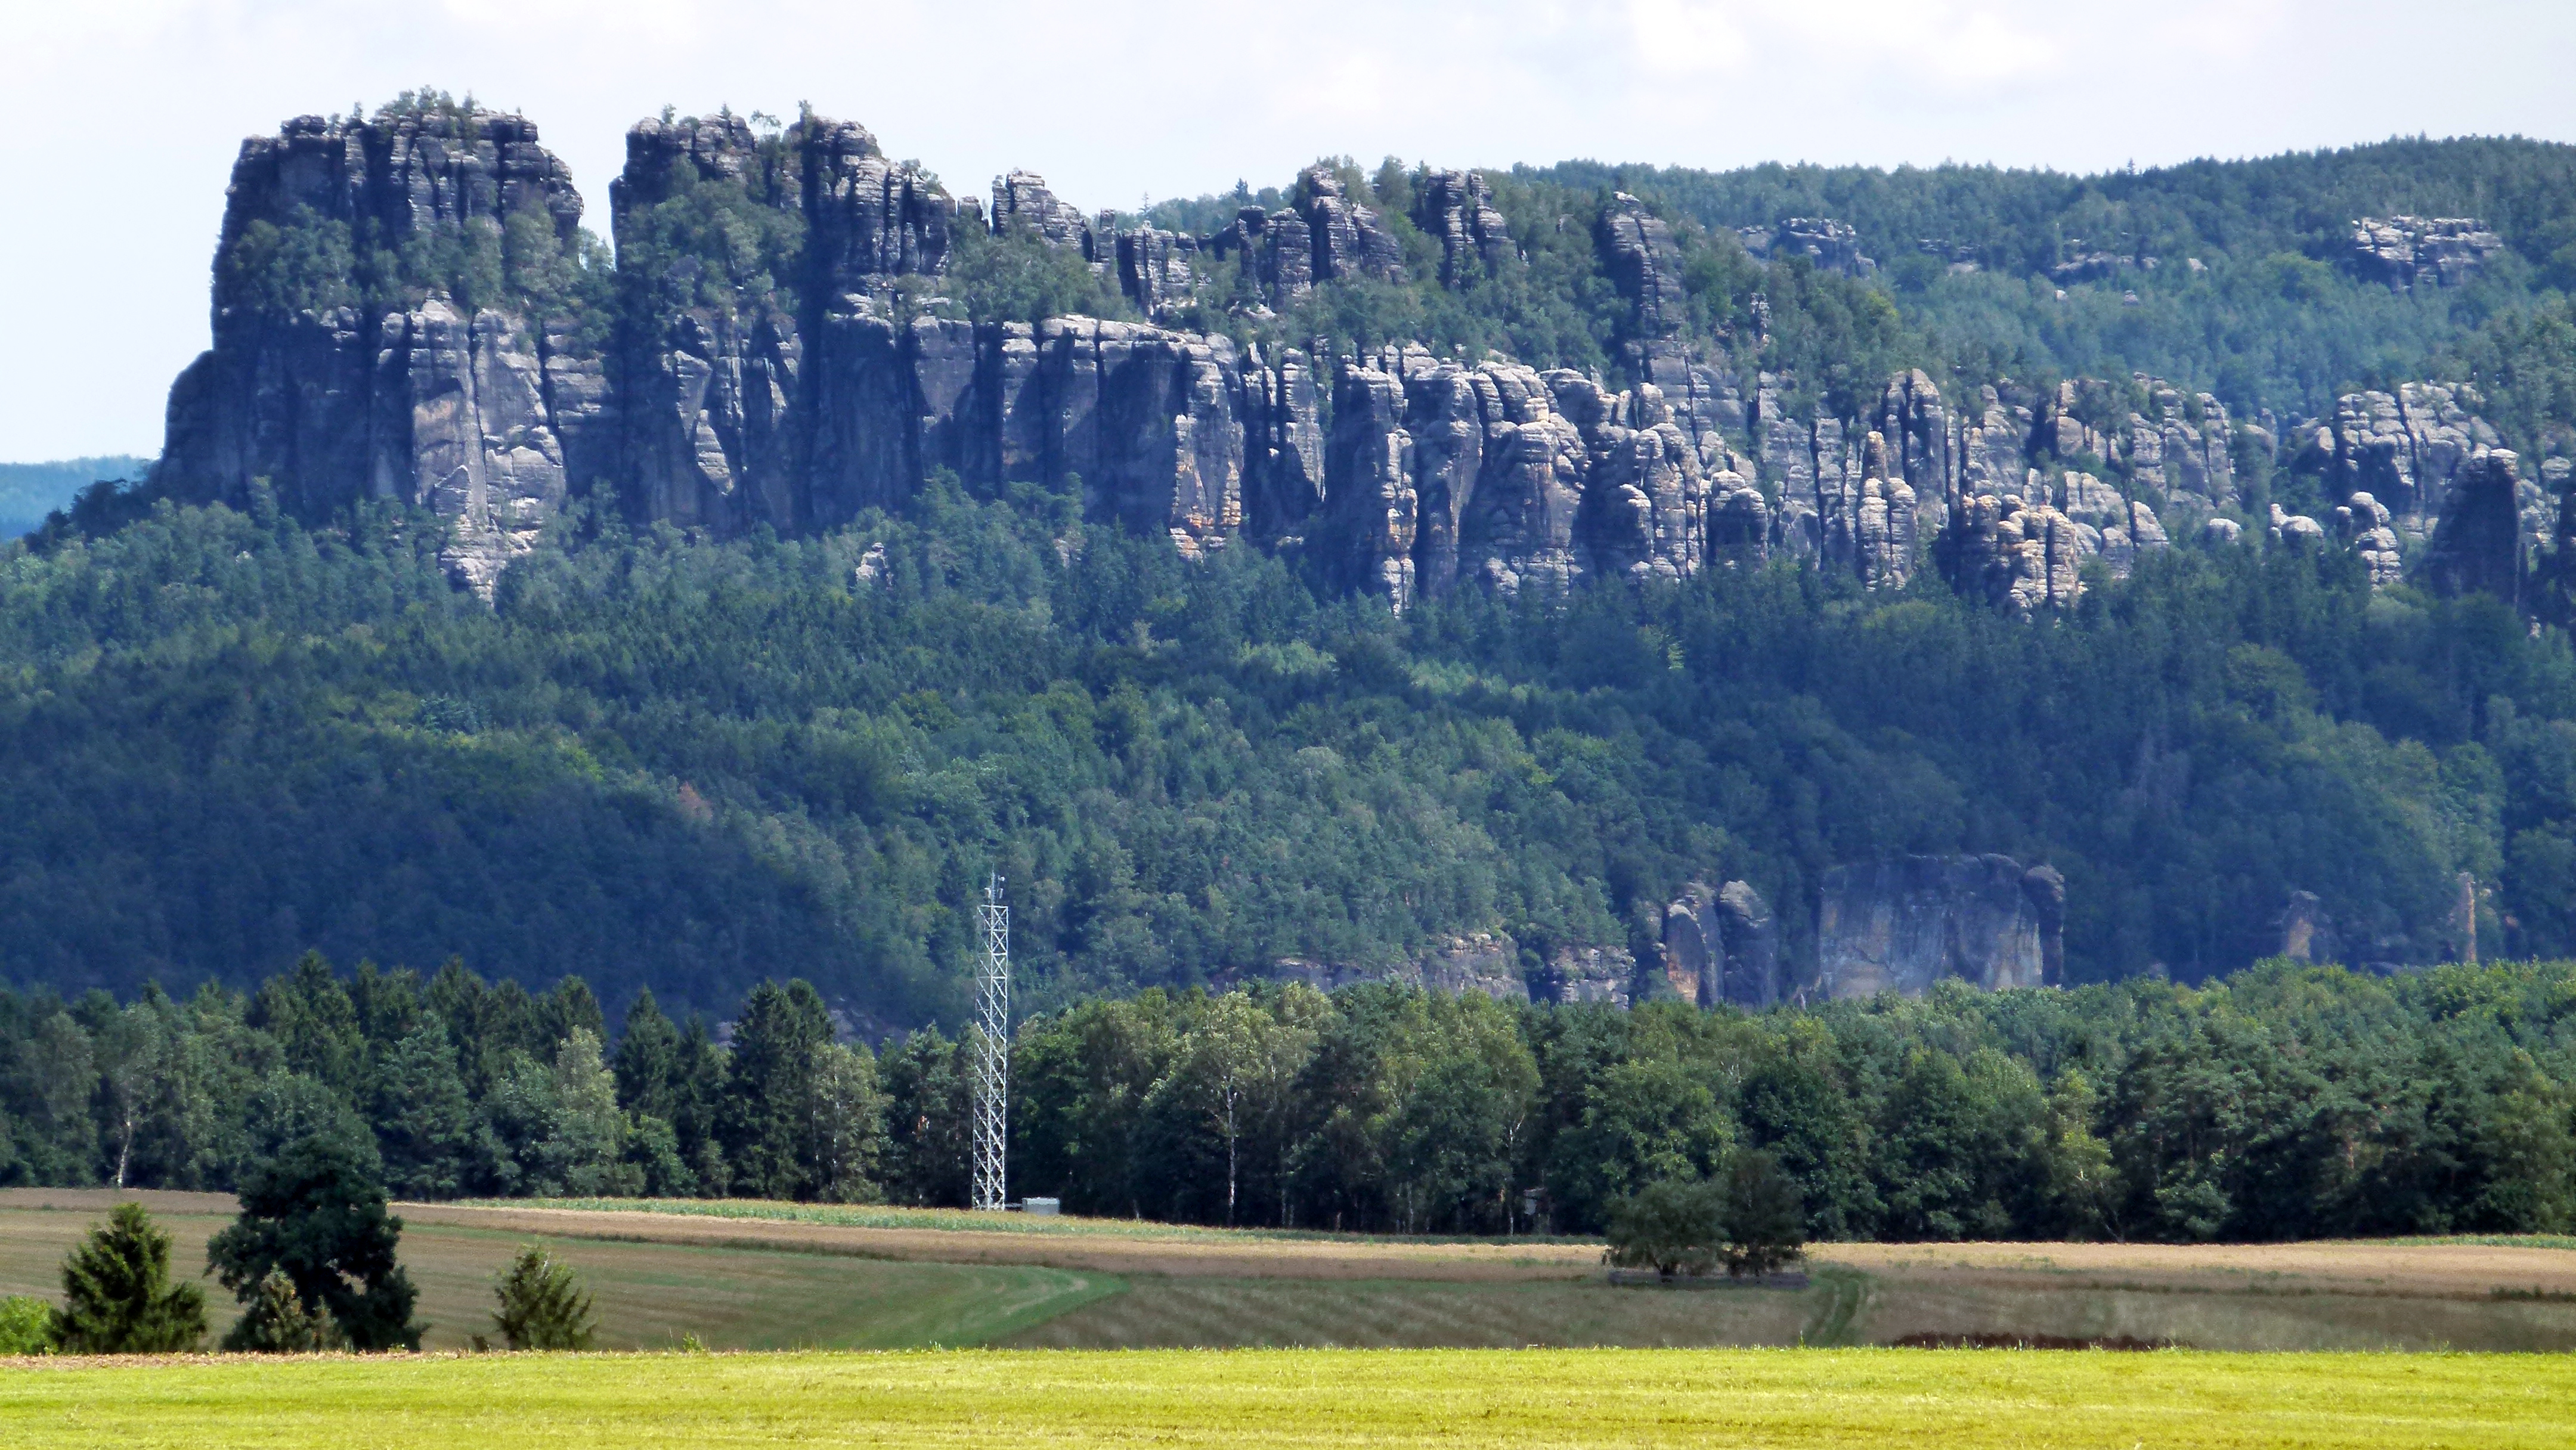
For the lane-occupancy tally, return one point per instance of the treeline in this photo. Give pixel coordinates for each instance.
(2286, 1102)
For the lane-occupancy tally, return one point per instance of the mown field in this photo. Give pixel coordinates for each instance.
(1873, 1398)
(768, 1276)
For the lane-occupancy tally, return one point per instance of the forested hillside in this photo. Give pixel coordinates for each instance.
(694, 765)
(1319, 581)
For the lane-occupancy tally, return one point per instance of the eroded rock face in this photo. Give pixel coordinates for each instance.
(827, 380)
(1347, 238)
(1902, 925)
(2478, 544)
(1021, 200)
(1457, 207)
(1277, 248)
(2404, 250)
(1157, 270)
(2363, 524)
(2015, 555)
(1832, 245)
(1645, 263)
(2405, 448)
(1721, 946)
(1515, 478)
(2296, 531)
(1700, 394)
(1844, 504)
(334, 402)
(1915, 426)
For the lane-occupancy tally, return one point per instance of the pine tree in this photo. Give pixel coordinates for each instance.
(772, 1087)
(117, 1294)
(648, 1060)
(542, 1305)
(424, 1121)
(278, 1321)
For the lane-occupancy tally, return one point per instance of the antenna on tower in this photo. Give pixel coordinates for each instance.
(992, 1084)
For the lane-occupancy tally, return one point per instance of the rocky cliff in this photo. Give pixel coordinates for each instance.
(1902, 925)
(336, 378)
(398, 317)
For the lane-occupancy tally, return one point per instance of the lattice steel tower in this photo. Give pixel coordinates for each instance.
(993, 1052)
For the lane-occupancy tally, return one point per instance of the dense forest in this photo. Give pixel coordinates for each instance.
(689, 766)
(2290, 1102)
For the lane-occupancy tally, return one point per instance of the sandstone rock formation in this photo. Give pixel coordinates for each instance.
(1457, 207)
(1276, 248)
(2015, 555)
(1643, 259)
(2295, 531)
(1700, 392)
(1021, 200)
(2404, 449)
(2363, 525)
(1902, 925)
(335, 394)
(1347, 237)
(820, 374)
(2307, 932)
(1832, 245)
(1721, 946)
(2404, 250)
(1438, 472)
(1843, 502)
(2478, 543)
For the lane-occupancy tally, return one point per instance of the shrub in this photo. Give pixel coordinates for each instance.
(279, 1322)
(26, 1325)
(542, 1306)
(117, 1294)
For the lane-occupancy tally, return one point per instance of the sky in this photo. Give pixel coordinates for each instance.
(123, 116)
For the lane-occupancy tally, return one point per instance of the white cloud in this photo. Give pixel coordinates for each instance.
(124, 115)
(1687, 37)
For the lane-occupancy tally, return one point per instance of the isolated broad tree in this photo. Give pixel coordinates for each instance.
(1673, 1226)
(317, 1212)
(1765, 1228)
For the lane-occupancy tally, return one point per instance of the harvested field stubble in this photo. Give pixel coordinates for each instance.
(1872, 1398)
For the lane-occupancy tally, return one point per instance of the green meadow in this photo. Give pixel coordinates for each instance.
(1879, 1399)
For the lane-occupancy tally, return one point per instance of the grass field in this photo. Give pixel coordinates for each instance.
(751, 1279)
(1870, 1398)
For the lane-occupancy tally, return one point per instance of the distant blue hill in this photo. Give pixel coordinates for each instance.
(29, 491)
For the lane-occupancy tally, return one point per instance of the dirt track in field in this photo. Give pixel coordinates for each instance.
(2418, 1270)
